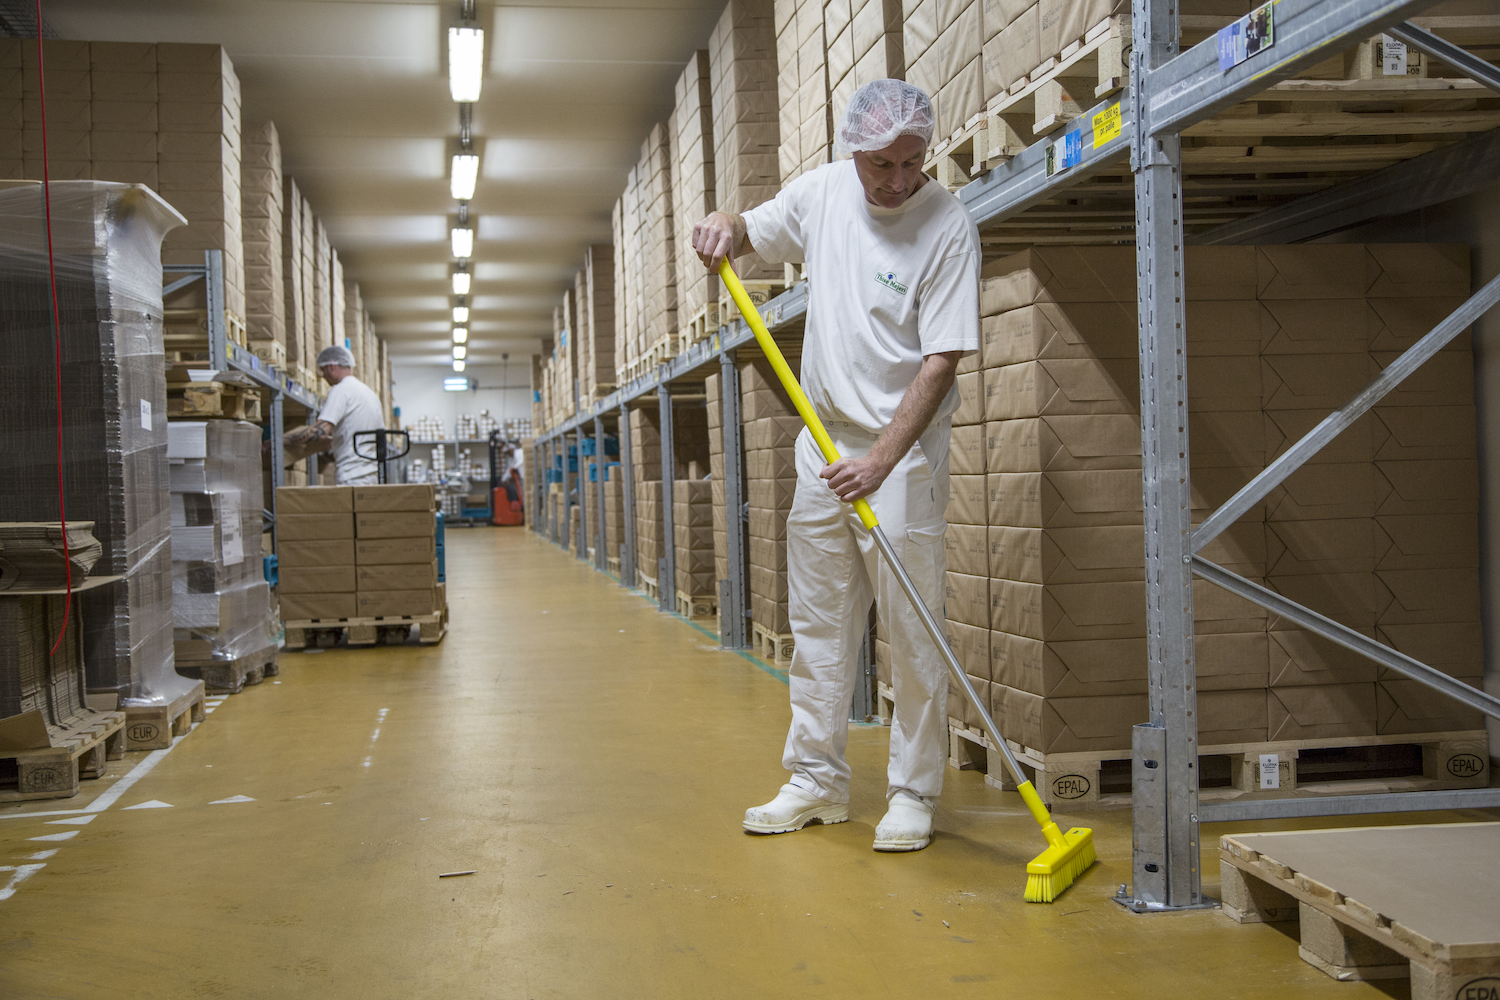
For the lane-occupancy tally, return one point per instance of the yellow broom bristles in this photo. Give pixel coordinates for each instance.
(1058, 867)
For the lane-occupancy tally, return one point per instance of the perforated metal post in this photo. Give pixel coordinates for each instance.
(583, 500)
(601, 557)
(1166, 867)
(666, 574)
(734, 610)
(627, 496)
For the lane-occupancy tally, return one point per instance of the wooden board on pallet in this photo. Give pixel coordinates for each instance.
(1378, 902)
(153, 727)
(702, 606)
(210, 400)
(774, 646)
(1447, 760)
(326, 632)
(231, 676)
(83, 751)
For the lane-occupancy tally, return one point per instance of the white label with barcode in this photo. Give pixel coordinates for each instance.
(145, 414)
(1270, 770)
(1392, 56)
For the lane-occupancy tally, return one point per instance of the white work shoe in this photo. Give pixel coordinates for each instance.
(792, 809)
(907, 825)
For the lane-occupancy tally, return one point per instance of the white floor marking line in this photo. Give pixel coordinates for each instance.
(19, 874)
(74, 820)
(233, 799)
(41, 855)
(153, 804)
(39, 815)
(68, 835)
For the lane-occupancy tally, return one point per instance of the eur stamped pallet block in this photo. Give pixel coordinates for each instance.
(701, 606)
(1378, 902)
(153, 727)
(1448, 760)
(326, 632)
(774, 646)
(82, 752)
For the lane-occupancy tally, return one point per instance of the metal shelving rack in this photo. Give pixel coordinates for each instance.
(1169, 91)
(225, 355)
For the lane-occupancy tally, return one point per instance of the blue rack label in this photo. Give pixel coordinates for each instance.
(1249, 36)
(1065, 152)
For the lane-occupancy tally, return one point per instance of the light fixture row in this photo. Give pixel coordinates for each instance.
(465, 79)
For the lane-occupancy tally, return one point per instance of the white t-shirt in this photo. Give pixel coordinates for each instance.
(888, 287)
(352, 406)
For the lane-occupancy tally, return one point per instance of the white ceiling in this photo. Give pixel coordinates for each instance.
(358, 91)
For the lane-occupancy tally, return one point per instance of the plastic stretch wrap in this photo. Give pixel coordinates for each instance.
(221, 604)
(107, 252)
(31, 679)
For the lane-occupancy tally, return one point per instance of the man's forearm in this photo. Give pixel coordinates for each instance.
(298, 443)
(914, 414)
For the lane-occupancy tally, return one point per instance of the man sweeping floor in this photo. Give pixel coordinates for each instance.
(893, 262)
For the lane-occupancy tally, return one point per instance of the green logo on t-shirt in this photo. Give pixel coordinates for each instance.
(888, 279)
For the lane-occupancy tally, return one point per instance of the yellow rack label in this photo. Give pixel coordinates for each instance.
(1106, 125)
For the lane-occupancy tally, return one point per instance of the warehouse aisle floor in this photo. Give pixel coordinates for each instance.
(591, 759)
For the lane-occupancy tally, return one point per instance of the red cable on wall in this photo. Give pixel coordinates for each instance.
(62, 509)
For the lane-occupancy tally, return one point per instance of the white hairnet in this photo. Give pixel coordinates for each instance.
(335, 355)
(881, 112)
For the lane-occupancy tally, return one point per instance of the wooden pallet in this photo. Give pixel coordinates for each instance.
(774, 646)
(646, 583)
(81, 752)
(208, 400)
(703, 606)
(760, 290)
(390, 630)
(1303, 768)
(1391, 902)
(885, 702)
(186, 330)
(153, 727)
(231, 676)
(703, 324)
(272, 352)
(614, 566)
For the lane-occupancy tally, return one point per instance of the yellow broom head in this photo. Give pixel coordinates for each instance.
(1058, 866)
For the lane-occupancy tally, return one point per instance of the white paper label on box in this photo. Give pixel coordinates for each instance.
(1270, 770)
(1392, 56)
(232, 544)
(145, 414)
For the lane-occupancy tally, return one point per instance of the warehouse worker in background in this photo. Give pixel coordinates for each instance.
(351, 407)
(894, 263)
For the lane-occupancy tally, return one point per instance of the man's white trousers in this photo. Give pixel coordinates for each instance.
(834, 571)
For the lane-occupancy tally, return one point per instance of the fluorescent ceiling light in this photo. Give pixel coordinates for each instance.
(461, 282)
(460, 335)
(458, 366)
(465, 174)
(463, 242)
(460, 314)
(465, 63)
(460, 352)
(456, 384)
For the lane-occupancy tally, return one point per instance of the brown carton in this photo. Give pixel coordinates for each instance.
(768, 553)
(771, 494)
(966, 500)
(1064, 499)
(1067, 555)
(966, 599)
(970, 399)
(1439, 486)
(772, 432)
(379, 551)
(768, 583)
(396, 524)
(315, 579)
(315, 607)
(397, 603)
(1043, 388)
(1430, 595)
(971, 645)
(397, 576)
(1069, 611)
(315, 552)
(1065, 443)
(1320, 711)
(771, 463)
(1407, 706)
(314, 500)
(393, 497)
(315, 527)
(1052, 331)
(1062, 725)
(966, 451)
(1300, 659)
(966, 547)
(1455, 648)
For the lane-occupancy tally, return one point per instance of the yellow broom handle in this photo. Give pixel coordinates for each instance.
(788, 380)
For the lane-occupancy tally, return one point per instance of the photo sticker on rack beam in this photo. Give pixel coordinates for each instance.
(1249, 36)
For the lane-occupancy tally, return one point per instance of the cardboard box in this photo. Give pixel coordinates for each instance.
(966, 599)
(397, 603)
(971, 644)
(314, 527)
(314, 500)
(1062, 386)
(1321, 711)
(1455, 648)
(1063, 725)
(966, 450)
(381, 551)
(967, 549)
(315, 579)
(1064, 499)
(315, 552)
(397, 576)
(315, 607)
(395, 524)
(772, 432)
(769, 583)
(394, 497)
(1066, 555)
(771, 494)
(1437, 486)
(1065, 443)
(970, 389)
(771, 463)
(770, 614)
(1407, 706)
(768, 524)
(768, 553)
(1302, 659)
(967, 500)
(1070, 611)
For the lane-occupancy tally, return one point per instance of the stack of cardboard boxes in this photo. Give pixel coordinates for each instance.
(315, 557)
(771, 426)
(742, 85)
(864, 43)
(693, 195)
(263, 210)
(714, 410)
(806, 119)
(614, 512)
(597, 307)
(693, 535)
(645, 462)
(395, 553)
(658, 242)
(296, 298)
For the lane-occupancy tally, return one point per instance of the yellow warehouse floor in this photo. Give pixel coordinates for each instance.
(591, 759)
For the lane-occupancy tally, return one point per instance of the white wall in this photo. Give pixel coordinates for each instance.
(1473, 219)
(504, 390)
